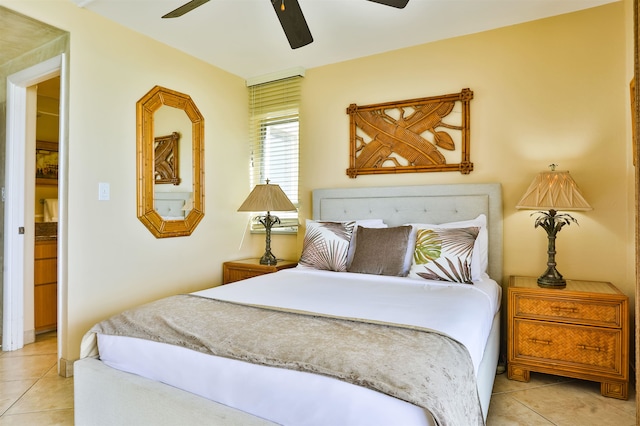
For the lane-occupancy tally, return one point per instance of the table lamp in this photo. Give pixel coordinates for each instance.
(553, 191)
(267, 197)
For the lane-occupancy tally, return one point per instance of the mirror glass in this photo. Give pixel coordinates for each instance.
(173, 182)
(170, 163)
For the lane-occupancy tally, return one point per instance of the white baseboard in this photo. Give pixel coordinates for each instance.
(29, 336)
(65, 368)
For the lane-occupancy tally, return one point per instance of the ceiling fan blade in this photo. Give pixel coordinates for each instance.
(187, 7)
(400, 4)
(293, 23)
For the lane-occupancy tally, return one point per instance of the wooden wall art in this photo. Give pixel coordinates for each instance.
(166, 159)
(416, 135)
(632, 90)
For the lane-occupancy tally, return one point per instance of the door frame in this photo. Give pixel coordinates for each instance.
(19, 183)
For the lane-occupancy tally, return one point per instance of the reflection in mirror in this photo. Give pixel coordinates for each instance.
(173, 193)
(170, 146)
(166, 159)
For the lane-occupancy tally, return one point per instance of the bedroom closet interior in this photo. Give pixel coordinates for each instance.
(46, 206)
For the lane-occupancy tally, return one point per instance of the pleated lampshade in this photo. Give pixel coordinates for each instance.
(553, 190)
(267, 197)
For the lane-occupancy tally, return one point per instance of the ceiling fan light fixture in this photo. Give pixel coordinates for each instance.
(293, 23)
(291, 18)
(398, 4)
(185, 8)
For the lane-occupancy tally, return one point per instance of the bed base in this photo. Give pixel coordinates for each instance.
(104, 396)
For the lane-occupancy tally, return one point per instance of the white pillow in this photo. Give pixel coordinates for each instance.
(480, 257)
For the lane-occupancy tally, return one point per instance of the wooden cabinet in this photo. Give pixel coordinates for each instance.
(580, 331)
(242, 269)
(45, 302)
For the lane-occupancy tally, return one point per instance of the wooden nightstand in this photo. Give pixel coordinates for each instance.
(581, 331)
(246, 268)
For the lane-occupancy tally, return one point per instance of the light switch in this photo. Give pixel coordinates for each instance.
(103, 191)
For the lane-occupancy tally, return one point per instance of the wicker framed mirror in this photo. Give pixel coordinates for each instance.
(186, 207)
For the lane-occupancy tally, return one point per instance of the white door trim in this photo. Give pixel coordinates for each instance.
(16, 191)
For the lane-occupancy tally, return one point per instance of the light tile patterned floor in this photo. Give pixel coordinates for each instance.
(552, 400)
(32, 393)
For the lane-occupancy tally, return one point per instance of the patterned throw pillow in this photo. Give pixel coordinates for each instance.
(480, 261)
(326, 245)
(444, 254)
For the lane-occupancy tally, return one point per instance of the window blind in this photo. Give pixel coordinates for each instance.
(274, 141)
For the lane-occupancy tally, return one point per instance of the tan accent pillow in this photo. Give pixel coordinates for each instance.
(367, 223)
(381, 251)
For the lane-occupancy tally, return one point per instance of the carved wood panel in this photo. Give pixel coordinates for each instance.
(416, 135)
(166, 159)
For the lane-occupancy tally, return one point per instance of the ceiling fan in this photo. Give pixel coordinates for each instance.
(290, 15)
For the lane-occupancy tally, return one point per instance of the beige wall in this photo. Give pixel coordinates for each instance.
(550, 91)
(554, 90)
(113, 260)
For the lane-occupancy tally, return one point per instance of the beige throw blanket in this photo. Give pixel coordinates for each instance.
(416, 365)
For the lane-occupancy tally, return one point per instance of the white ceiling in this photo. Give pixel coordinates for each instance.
(244, 37)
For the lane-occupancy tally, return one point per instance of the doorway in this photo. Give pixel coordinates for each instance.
(20, 197)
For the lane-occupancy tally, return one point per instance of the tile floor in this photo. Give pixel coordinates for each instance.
(552, 400)
(32, 393)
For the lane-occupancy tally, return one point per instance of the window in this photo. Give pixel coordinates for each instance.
(273, 142)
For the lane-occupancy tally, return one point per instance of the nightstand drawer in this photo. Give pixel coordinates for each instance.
(592, 349)
(242, 274)
(239, 270)
(570, 310)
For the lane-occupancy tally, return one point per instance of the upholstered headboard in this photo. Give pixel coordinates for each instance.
(170, 205)
(419, 204)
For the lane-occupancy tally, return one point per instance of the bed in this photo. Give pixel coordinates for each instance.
(140, 378)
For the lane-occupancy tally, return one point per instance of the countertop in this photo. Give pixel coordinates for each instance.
(46, 231)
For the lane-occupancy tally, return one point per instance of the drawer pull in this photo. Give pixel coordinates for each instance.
(564, 309)
(542, 342)
(590, 348)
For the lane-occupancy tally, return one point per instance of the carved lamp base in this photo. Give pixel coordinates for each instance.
(551, 279)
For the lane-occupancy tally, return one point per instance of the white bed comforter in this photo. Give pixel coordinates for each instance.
(454, 309)
(464, 312)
